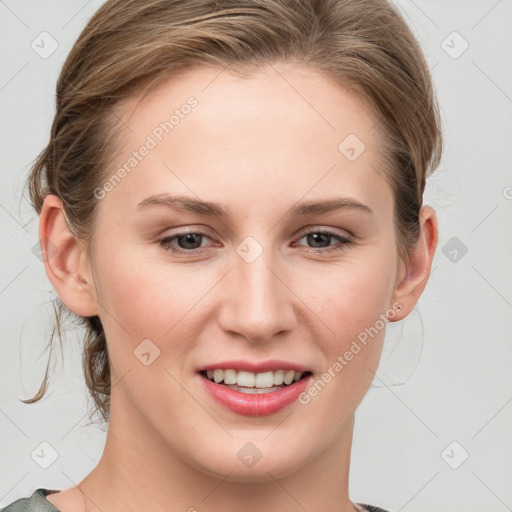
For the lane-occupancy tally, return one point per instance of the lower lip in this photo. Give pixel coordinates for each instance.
(261, 404)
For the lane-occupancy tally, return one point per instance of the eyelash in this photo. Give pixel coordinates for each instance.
(165, 243)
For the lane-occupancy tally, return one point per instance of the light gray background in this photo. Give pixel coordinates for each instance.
(451, 384)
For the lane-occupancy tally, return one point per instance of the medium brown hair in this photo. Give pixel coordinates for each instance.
(365, 46)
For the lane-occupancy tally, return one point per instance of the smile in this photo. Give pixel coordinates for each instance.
(249, 382)
(254, 393)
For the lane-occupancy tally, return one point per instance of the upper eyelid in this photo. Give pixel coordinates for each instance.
(302, 231)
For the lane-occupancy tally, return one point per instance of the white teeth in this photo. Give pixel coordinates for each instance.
(246, 379)
(264, 380)
(278, 377)
(288, 377)
(229, 377)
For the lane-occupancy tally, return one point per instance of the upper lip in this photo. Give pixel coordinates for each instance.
(254, 367)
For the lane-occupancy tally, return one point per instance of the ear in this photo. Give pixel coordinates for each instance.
(65, 259)
(417, 271)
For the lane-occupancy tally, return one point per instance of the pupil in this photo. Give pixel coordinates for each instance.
(313, 237)
(189, 239)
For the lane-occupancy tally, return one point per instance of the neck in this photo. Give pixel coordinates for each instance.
(137, 472)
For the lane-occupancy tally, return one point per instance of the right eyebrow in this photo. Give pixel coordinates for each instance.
(186, 203)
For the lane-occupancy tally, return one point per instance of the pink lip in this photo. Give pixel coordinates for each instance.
(255, 405)
(265, 366)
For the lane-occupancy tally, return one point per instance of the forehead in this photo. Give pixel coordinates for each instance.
(283, 129)
(307, 97)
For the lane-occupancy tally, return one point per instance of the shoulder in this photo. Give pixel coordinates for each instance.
(37, 502)
(365, 507)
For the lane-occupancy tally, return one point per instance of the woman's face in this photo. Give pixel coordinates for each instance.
(255, 286)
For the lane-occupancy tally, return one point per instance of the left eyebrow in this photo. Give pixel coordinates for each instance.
(222, 211)
(329, 205)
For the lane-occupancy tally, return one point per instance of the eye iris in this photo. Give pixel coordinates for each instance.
(313, 237)
(189, 238)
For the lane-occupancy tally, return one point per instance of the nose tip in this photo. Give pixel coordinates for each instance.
(257, 304)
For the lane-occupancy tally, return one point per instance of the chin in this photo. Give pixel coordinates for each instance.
(245, 461)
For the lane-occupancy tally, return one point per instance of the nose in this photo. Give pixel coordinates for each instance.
(258, 303)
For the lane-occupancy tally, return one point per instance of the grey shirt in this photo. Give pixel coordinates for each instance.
(38, 503)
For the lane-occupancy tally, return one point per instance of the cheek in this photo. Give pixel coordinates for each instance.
(350, 296)
(139, 295)
(143, 301)
(145, 297)
(353, 303)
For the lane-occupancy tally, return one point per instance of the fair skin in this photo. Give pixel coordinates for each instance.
(259, 147)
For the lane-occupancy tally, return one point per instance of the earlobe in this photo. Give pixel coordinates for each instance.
(411, 285)
(64, 259)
